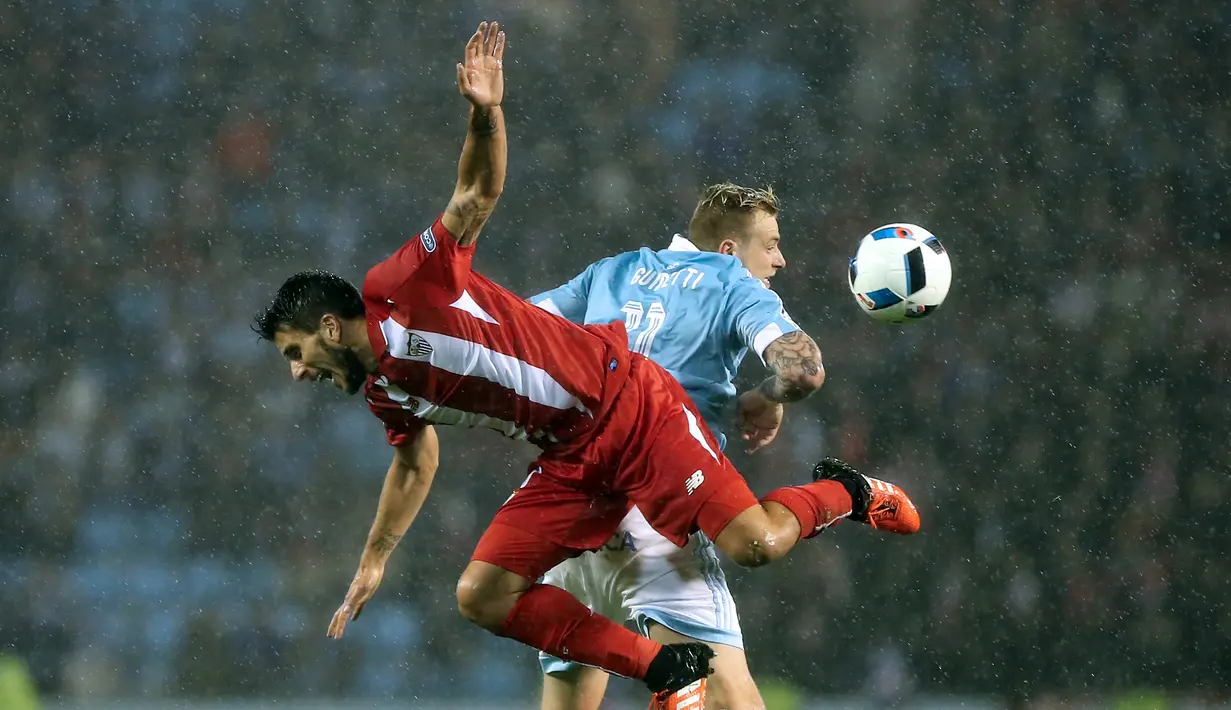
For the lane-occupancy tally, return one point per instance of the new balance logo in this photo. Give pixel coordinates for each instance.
(417, 346)
(694, 482)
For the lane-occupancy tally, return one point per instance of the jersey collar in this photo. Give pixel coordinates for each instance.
(680, 243)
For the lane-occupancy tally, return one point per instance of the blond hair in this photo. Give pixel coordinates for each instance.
(726, 208)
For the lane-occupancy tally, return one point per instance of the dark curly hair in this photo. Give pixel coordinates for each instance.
(304, 298)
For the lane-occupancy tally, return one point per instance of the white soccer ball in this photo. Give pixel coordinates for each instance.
(900, 273)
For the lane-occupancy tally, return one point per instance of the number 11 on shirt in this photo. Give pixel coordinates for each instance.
(654, 316)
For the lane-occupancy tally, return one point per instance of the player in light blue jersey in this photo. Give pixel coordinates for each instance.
(697, 308)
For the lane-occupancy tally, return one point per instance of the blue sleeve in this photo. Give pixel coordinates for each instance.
(573, 298)
(756, 315)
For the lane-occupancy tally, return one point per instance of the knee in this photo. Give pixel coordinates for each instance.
(748, 552)
(478, 602)
(751, 548)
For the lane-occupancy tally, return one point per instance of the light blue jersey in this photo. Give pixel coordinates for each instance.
(695, 313)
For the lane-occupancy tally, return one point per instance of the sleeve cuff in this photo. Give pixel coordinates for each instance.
(440, 232)
(767, 335)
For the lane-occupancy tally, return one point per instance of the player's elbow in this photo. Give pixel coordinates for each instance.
(419, 477)
(811, 379)
(479, 195)
(805, 380)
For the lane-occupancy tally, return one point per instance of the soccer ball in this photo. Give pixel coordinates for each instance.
(900, 273)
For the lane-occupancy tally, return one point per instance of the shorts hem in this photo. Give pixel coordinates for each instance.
(555, 666)
(689, 628)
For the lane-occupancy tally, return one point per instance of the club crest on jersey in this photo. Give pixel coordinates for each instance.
(428, 239)
(417, 346)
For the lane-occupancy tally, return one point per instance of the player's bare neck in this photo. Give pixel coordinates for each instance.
(355, 337)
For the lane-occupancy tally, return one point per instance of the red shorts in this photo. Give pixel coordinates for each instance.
(652, 449)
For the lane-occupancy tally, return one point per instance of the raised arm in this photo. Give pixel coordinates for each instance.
(406, 486)
(480, 172)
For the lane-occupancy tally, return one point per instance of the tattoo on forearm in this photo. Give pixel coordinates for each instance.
(385, 542)
(481, 123)
(794, 359)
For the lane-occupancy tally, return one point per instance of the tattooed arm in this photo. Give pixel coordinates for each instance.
(481, 170)
(796, 363)
(406, 486)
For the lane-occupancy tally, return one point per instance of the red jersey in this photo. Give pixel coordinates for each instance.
(455, 348)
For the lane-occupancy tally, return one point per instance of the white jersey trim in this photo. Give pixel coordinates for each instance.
(438, 414)
(767, 335)
(465, 302)
(550, 306)
(681, 243)
(695, 430)
(463, 357)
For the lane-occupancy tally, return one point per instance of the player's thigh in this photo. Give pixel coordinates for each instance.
(546, 521)
(588, 577)
(683, 482)
(731, 686)
(578, 688)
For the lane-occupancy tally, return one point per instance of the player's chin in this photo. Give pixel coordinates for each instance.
(346, 385)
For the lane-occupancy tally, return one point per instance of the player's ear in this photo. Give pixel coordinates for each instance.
(331, 329)
(727, 246)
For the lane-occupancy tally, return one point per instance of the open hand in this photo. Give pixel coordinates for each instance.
(364, 585)
(758, 418)
(480, 77)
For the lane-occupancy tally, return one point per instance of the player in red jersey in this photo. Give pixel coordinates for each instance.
(430, 341)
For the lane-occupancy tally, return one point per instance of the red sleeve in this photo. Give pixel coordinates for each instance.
(431, 269)
(402, 427)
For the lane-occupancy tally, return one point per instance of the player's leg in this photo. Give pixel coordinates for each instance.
(572, 686)
(681, 594)
(765, 532)
(730, 687)
(576, 687)
(681, 481)
(497, 590)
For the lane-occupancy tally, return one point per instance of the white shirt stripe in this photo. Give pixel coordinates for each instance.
(465, 302)
(438, 414)
(550, 306)
(463, 357)
(695, 429)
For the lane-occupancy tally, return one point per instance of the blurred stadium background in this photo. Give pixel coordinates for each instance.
(173, 528)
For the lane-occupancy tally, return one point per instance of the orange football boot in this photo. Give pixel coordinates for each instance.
(690, 697)
(878, 503)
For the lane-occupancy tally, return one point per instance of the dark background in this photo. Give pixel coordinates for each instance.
(177, 518)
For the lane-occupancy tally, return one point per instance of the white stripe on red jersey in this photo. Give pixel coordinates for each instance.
(436, 414)
(465, 357)
(456, 348)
